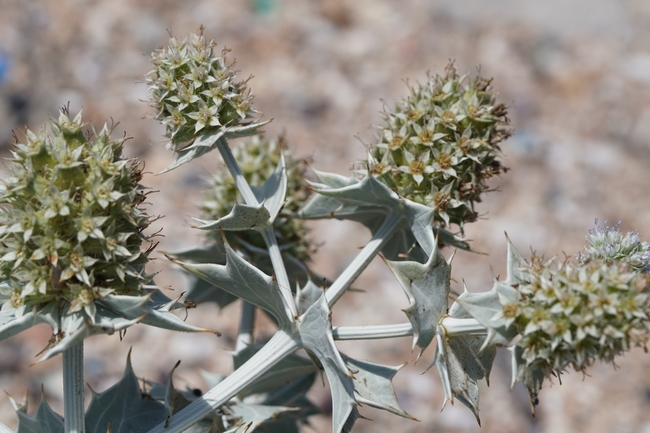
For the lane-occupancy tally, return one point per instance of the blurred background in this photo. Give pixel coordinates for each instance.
(575, 74)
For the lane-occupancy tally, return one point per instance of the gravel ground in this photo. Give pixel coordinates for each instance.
(575, 73)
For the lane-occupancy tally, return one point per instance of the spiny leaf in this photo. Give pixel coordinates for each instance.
(427, 288)
(272, 194)
(487, 307)
(461, 364)
(368, 201)
(373, 386)
(531, 378)
(123, 407)
(243, 280)
(209, 140)
(45, 420)
(281, 373)
(315, 330)
(242, 217)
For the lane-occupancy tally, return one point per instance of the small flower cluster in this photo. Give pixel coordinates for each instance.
(257, 159)
(193, 90)
(573, 315)
(70, 226)
(440, 145)
(609, 244)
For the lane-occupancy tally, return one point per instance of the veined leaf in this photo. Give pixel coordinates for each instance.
(243, 280)
(427, 288)
(124, 407)
(315, 330)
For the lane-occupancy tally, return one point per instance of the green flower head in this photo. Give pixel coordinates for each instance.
(572, 315)
(71, 235)
(439, 146)
(197, 96)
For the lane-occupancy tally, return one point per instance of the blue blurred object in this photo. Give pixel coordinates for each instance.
(4, 66)
(264, 7)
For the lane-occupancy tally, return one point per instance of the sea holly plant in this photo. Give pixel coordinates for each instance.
(72, 231)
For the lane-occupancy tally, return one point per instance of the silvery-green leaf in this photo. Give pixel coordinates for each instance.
(174, 399)
(211, 253)
(243, 280)
(11, 325)
(373, 386)
(201, 291)
(281, 373)
(487, 307)
(208, 141)
(75, 327)
(124, 407)
(368, 201)
(274, 190)
(427, 288)
(148, 312)
(532, 378)
(45, 420)
(307, 295)
(248, 417)
(462, 362)
(315, 330)
(242, 217)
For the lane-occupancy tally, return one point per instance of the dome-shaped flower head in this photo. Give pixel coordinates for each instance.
(439, 146)
(71, 238)
(198, 97)
(572, 315)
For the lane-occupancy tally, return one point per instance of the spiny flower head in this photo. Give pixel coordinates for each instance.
(258, 159)
(439, 146)
(572, 315)
(71, 227)
(610, 244)
(193, 90)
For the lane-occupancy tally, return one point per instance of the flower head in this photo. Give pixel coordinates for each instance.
(608, 243)
(71, 235)
(196, 93)
(572, 315)
(440, 145)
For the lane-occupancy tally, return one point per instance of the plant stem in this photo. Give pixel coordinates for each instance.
(374, 332)
(345, 280)
(73, 389)
(268, 234)
(246, 326)
(5, 429)
(453, 327)
(279, 346)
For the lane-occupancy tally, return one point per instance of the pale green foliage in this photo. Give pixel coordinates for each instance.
(439, 146)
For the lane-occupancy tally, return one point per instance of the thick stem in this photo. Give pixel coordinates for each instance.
(246, 326)
(73, 389)
(240, 181)
(379, 239)
(454, 327)
(5, 429)
(278, 347)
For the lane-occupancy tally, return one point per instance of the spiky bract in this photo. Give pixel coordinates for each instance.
(257, 159)
(440, 145)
